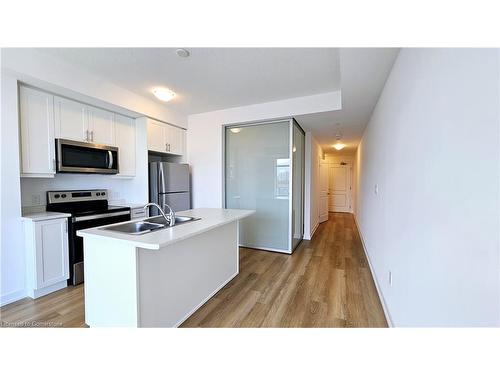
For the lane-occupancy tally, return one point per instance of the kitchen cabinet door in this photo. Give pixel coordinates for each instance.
(101, 126)
(37, 133)
(173, 140)
(71, 120)
(51, 252)
(125, 141)
(156, 136)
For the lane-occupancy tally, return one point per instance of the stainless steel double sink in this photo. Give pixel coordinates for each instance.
(149, 225)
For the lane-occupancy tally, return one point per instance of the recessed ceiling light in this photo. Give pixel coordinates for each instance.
(235, 130)
(163, 94)
(182, 52)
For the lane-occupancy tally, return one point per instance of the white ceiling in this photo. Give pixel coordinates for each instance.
(363, 74)
(213, 78)
(219, 78)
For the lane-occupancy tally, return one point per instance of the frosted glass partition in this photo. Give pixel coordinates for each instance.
(258, 177)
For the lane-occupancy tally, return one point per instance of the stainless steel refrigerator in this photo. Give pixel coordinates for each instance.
(169, 184)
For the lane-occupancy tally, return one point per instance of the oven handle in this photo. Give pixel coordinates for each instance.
(99, 216)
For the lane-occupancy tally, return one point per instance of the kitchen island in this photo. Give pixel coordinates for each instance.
(160, 278)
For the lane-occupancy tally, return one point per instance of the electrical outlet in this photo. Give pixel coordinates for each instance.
(36, 199)
(376, 189)
(390, 278)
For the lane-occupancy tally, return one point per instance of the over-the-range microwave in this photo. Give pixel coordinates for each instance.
(81, 157)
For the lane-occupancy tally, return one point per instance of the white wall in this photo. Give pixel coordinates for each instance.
(43, 71)
(314, 154)
(204, 141)
(432, 146)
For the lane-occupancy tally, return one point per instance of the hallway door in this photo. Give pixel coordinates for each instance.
(340, 188)
(323, 192)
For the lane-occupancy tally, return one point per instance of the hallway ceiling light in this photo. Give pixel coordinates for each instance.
(235, 130)
(338, 146)
(163, 94)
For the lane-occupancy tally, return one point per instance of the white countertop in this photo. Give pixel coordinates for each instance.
(210, 218)
(45, 215)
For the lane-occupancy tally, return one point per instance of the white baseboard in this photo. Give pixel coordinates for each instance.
(37, 293)
(13, 297)
(309, 236)
(379, 292)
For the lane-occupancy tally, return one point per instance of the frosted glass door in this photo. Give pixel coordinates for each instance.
(257, 174)
(298, 185)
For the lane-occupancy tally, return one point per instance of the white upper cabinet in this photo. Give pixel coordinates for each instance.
(83, 123)
(37, 133)
(71, 120)
(125, 141)
(101, 126)
(166, 138)
(44, 117)
(156, 136)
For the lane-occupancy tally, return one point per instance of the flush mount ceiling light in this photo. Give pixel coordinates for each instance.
(339, 145)
(182, 52)
(235, 130)
(163, 94)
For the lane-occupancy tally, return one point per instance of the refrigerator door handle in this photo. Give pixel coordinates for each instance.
(161, 179)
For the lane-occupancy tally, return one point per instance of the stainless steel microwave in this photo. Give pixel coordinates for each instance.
(81, 157)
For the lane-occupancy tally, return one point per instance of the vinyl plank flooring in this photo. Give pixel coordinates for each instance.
(326, 282)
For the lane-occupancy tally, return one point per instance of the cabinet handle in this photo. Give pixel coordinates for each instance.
(54, 163)
(92, 136)
(168, 146)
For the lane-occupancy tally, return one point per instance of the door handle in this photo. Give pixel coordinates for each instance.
(110, 159)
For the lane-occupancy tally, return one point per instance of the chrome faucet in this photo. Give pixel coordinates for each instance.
(171, 214)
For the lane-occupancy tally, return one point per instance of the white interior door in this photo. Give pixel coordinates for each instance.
(340, 188)
(323, 192)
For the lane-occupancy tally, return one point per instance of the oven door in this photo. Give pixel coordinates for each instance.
(81, 157)
(76, 243)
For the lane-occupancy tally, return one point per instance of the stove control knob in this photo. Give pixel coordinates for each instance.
(56, 196)
(103, 193)
(63, 195)
(97, 194)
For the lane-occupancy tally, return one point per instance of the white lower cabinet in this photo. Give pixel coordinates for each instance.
(47, 264)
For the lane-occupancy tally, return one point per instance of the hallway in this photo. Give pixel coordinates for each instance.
(325, 283)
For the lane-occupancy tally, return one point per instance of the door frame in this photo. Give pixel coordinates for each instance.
(349, 160)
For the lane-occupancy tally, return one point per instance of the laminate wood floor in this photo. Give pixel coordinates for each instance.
(326, 282)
